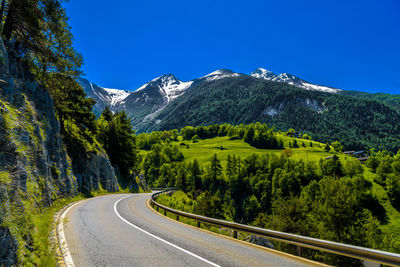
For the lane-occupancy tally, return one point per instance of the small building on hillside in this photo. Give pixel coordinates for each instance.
(361, 155)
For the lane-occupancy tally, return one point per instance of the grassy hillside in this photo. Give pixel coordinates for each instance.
(203, 149)
(358, 123)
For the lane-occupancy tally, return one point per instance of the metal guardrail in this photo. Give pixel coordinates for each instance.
(362, 253)
(164, 189)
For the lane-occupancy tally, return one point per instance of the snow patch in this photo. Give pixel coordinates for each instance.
(321, 88)
(169, 86)
(222, 76)
(219, 74)
(271, 111)
(117, 95)
(262, 73)
(288, 78)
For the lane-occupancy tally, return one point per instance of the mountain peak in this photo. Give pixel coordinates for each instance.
(219, 72)
(263, 74)
(289, 78)
(117, 95)
(168, 85)
(162, 81)
(165, 77)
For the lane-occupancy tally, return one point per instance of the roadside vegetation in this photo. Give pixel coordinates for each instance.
(305, 187)
(250, 174)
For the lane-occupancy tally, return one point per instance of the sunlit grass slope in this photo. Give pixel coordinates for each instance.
(204, 149)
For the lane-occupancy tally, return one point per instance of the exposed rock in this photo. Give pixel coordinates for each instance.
(32, 152)
(313, 104)
(259, 241)
(271, 111)
(8, 245)
(95, 171)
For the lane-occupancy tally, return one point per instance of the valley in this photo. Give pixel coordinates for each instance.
(273, 151)
(227, 178)
(358, 120)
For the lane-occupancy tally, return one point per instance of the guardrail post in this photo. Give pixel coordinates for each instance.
(165, 213)
(299, 250)
(157, 208)
(198, 224)
(177, 217)
(235, 234)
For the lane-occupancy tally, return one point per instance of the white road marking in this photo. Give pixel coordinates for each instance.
(69, 262)
(158, 238)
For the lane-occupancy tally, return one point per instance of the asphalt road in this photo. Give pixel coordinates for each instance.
(121, 230)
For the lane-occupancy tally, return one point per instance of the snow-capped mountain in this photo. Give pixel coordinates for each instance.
(219, 74)
(117, 96)
(262, 73)
(103, 96)
(152, 97)
(145, 103)
(169, 86)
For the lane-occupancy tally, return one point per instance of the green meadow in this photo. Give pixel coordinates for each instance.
(204, 149)
(223, 146)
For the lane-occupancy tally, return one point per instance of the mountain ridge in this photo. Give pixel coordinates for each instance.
(171, 87)
(284, 101)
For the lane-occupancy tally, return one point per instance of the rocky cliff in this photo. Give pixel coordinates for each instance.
(34, 166)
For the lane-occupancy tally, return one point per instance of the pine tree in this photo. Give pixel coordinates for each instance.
(117, 136)
(38, 32)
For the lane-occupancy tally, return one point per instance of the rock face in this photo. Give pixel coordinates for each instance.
(94, 172)
(34, 166)
(261, 241)
(8, 245)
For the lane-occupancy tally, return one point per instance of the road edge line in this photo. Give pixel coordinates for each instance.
(63, 250)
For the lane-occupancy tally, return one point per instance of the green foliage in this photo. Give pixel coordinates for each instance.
(160, 166)
(332, 167)
(393, 190)
(209, 205)
(295, 145)
(39, 34)
(353, 167)
(337, 146)
(357, 123)
(327, 147)
(330, 200)
(287, 152)
(117, 136)
(195, 138)
(372, 163)
(5, 178)
(178, 200)
(384, 169)
(257, 135)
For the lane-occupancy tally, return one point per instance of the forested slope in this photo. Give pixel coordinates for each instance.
(356, 123)
(307, 188)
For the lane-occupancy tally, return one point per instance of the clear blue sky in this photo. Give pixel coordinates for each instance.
(351, 44)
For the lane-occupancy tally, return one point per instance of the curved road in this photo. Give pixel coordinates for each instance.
(121, 230)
